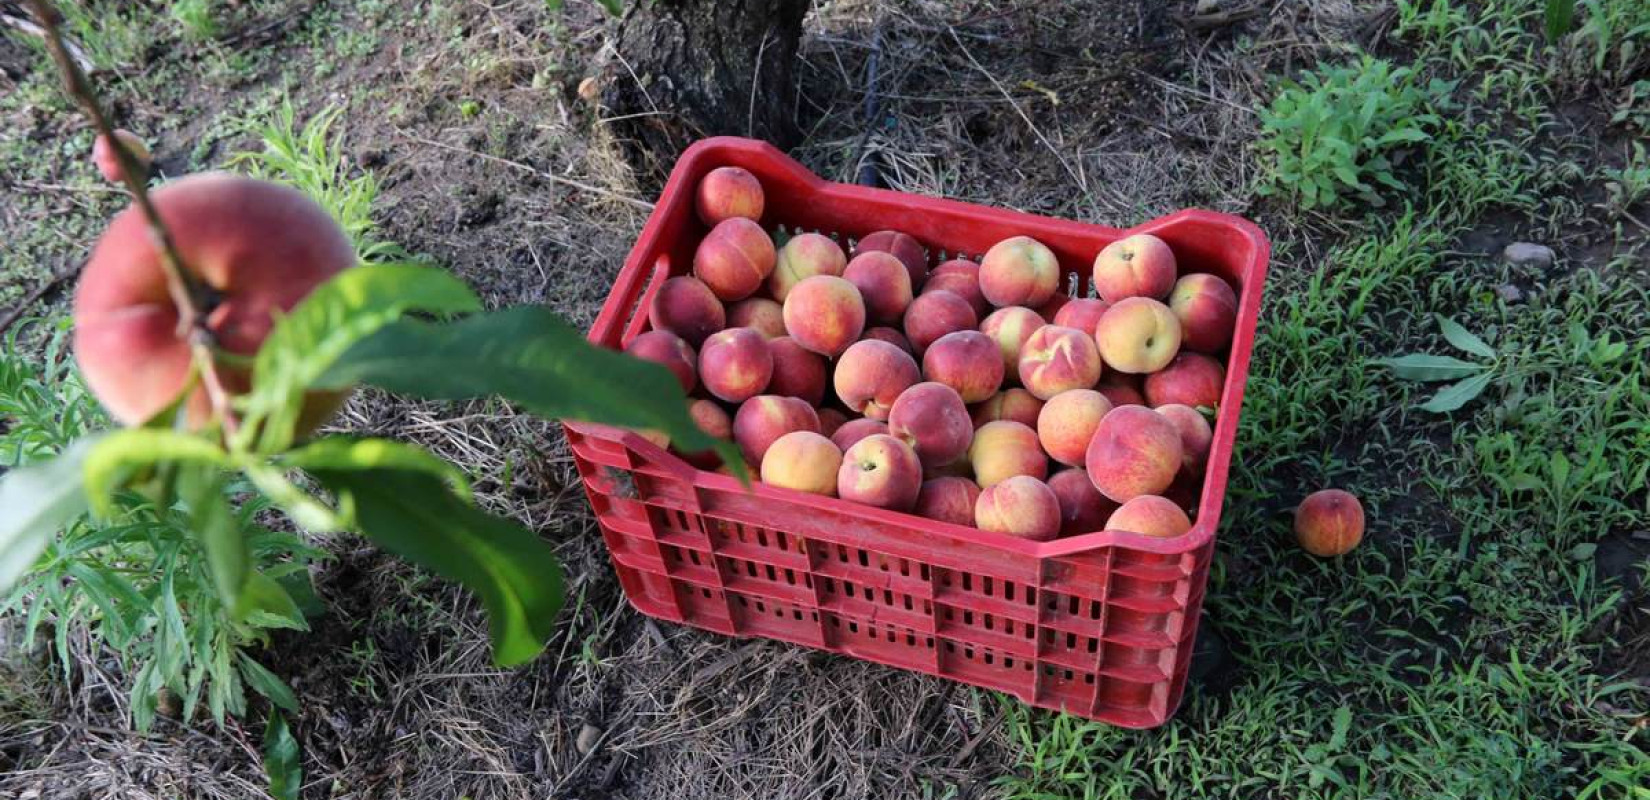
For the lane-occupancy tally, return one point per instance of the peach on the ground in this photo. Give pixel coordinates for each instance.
(727, 192)
(853, 430)
(1196, 437)
(1191, 379)
(907, 249)
(668, 349)
(1014, 405)
(1010, 328)
(759, 314)
(883, 282)
(688, 308)
(1135, 451)
(1019, 271)
(804, 256)
(804, 461)
(932, 419)
(735, 364)
(103, 155)
(1207, 309)
(1067, 424)
(870, 376)
(797, 371)
(1083, 509)
(824, 314)
(1329, 522)
(1141, 265)
(968, 361)
(1150, 515)
(764, 418)
(1021, 505)
(880, 471)
(1003, 449)
(735, 258)
(935, 314)
(948, 500)
(1121, 388)
(962, 277)
(1138, 335)
(715, 422)
(830, 420)
(891, 336)
(1082, 313)
(1057, 359)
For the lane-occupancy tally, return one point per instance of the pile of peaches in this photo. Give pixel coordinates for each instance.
(979, 394)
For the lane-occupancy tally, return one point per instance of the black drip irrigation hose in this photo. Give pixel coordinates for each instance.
(868, 171)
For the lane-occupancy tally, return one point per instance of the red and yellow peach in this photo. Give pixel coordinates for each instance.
(948, 499)
(1329, 522)
(932, 419)
(1150, 515)
(1207, 309)
(908, 250)
(728, 192)
(880, 471)
(871, 375)
(685, 306)
(667, 349)
(967, 361)
(761, 420)
(1191, 379)
(735, 364)
(1010, 328)
(1141, 265)
(1083, 509)
(1138, 335)
(1022, 506)
(883, 282)
(797, 371)
(1057, 359)
(1020, 271)
(1014, 405)
(1067, 424)
(804, 256)
(825, 314)
(935, 314)
(1135, 451)
(804, 461)
(1003, 449)
(759, 314)
(734, 259)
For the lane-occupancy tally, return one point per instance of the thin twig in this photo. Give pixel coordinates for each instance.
(528, 168)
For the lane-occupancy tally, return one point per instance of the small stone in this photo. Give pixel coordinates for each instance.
(1510, 293)
(590, 90)
(1527, 254)
(589, 735)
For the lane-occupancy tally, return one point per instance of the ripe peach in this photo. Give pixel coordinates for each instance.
(736, 364)
(824, 314)
(883, 282)
(908, 250)
(1021, 505)
(935, 314)
(1196, 437)
(1010, 328)
(236, 236)
(734, 258)
(1191, 379)
(830, 420)
(968, 361)
(1082, 313)
(1207, 309)
(1019, 271)
(1135, 451)
(880, 471)
(1003, 449)
(804, 256)
(932, 419)
(1121, 388)
(761, 420)
(1150, 515)
(688, 308)
(962, 277)
(668, 349)
(759, 314)
(855, 429)
(804, 461)
(948, 500)
(1083, 509)
(714, 421)
(104, 156)
(1141, 265)
(729, 192)
(1057, 359)
(892, 337)
(1067, 423)
(870, 376)
(1014, 405)
(1138, 335)
(797, 371)
(1329, 522)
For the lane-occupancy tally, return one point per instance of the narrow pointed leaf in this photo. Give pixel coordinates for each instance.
(1458, 394)
(35, 501)
(267, 683)
(118, 455)
(282, 764)
(1423, 367)
(1464, 339)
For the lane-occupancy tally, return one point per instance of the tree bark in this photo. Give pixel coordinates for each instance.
(687, 69)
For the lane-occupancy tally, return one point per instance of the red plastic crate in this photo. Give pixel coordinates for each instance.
(1099, 625)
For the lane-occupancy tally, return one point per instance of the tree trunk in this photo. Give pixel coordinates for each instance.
(687, 69)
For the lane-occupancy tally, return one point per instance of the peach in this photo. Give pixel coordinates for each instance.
(932, 419)
(1067, 423)
(1019, 272)
(831, 420)
(1196, 437)
(968, 361)
(726, 193)
(1141, 265)
(759, 314)
(1138, 335)
(1329, 522)
(688, 308)
(871, 375)
(1121, 388)
(883, 282)
(736, 364)
(236, 236)
(1010, 328)
(804, 256)
(908, 250)
(1021, 505)
(1191, 379)
(855, 429)
(1003, 449)
(761, 420)
(1057, 359)
(715, 422)
(668, 349)
(824, 314)
(1207, 309)
(961, 277)
(1150, 515)
(1135, 451)
(948, 500)
(1083, 509)
(103, 155)
(935, 314)
(1082, 313)
(797, 371)
(892, 337)
(1014, 405)
(804, 461)
(880, 471)
(735, 258)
